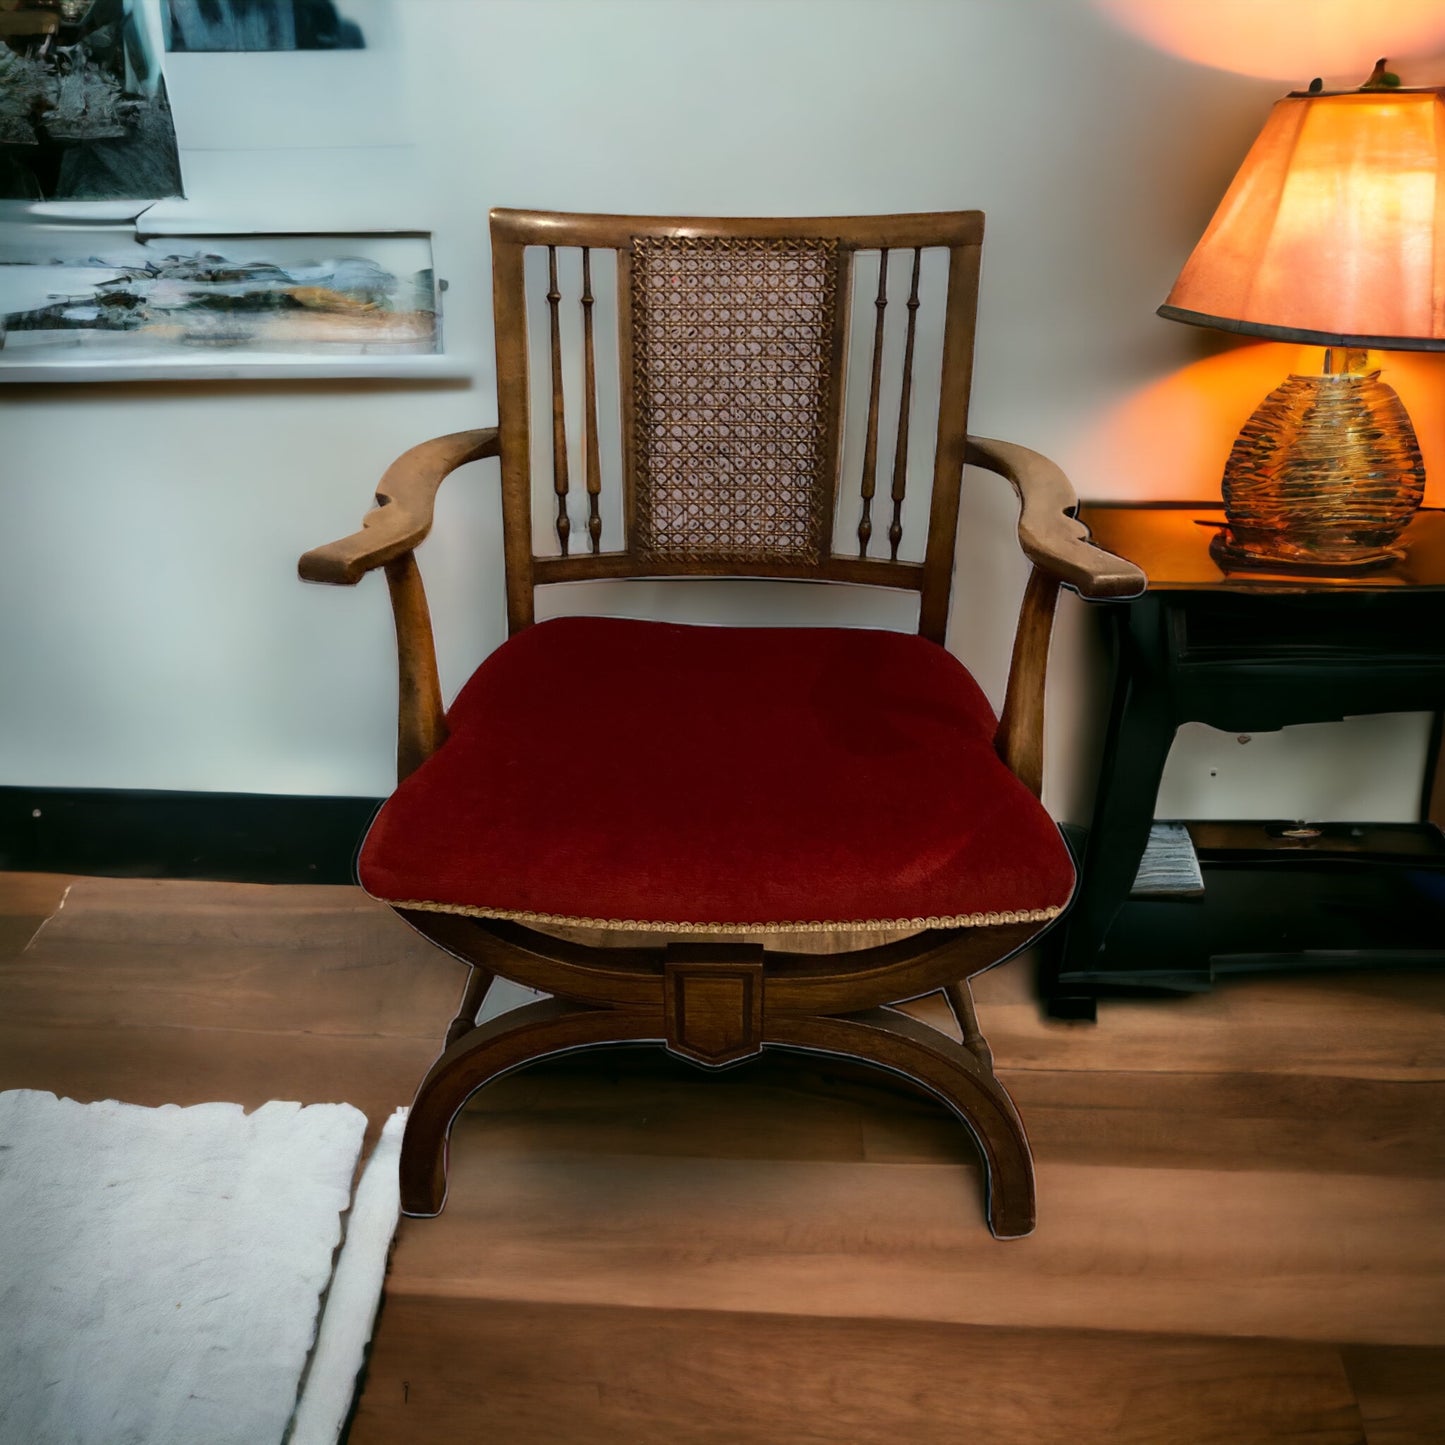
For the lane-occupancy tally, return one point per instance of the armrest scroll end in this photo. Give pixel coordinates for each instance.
(403, 514)
(1050, 533)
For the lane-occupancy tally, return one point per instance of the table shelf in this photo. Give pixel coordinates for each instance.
(1367, 896)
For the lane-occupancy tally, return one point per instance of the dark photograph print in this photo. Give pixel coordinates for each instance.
(83, 108)
(259, 25)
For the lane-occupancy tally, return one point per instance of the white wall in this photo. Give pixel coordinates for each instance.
(151, 628)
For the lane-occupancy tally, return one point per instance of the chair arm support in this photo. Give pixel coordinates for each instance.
(1052, 538)
(387, 539)
(1058, 545)
(403, 514)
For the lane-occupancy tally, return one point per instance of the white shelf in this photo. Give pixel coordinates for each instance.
(259, 366)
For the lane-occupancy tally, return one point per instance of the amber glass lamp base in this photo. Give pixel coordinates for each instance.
(1234, 554)
(1324, 476)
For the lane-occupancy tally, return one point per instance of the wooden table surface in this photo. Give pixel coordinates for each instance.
(1240, 1197)
(1170, 541)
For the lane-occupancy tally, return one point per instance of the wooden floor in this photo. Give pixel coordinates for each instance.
(1241, 1197)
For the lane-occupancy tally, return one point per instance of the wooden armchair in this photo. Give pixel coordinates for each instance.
(657, 824)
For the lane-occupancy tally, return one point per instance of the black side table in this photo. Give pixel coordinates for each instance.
(1252, 652)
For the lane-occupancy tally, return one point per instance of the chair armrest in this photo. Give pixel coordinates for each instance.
(403, 513)
(1051, 536)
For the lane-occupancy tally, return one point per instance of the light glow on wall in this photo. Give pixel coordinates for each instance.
(1169, 439)
(1289, 40)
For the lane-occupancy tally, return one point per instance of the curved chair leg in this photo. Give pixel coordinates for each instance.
(482, 1054)
(881, 1037)
(902, 1045)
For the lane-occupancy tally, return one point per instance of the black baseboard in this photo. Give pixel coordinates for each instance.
(232, 837)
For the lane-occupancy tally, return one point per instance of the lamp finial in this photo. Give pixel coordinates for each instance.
(1380, 78)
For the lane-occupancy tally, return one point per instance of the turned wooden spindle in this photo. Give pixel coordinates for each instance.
(960, 1000)
(900, 454)
(421, 719)
(591, 447)
(559, 415)
(870, 442)
(1020, 735)
(479, 980)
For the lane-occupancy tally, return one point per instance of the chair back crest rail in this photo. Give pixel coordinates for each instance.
(732, 387)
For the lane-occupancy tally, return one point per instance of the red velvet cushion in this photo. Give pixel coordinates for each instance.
(615, 772)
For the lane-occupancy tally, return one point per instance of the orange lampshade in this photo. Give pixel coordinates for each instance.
(1333, 230)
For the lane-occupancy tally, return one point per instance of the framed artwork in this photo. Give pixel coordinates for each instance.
(283, 261)
(211, 25)
(86, 303)
(84, 114)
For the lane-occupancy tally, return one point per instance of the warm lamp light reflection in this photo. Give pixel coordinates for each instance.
(1190, 417)
(1283, 39)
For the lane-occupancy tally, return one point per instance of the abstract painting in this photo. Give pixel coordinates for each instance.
(259, 25)
(83, 108)
(92, 298)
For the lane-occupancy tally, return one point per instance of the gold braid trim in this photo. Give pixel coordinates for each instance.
(633, 925)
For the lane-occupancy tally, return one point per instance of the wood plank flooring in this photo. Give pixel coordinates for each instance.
(1241, 1196)
(157, 992)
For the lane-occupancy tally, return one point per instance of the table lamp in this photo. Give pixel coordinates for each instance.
(1332, 233)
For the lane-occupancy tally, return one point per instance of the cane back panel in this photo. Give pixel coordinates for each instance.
(733, 397)
(731, 354)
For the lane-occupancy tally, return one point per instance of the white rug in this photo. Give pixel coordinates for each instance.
(161, 1270)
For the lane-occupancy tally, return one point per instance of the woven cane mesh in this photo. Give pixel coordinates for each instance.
(732, 351)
